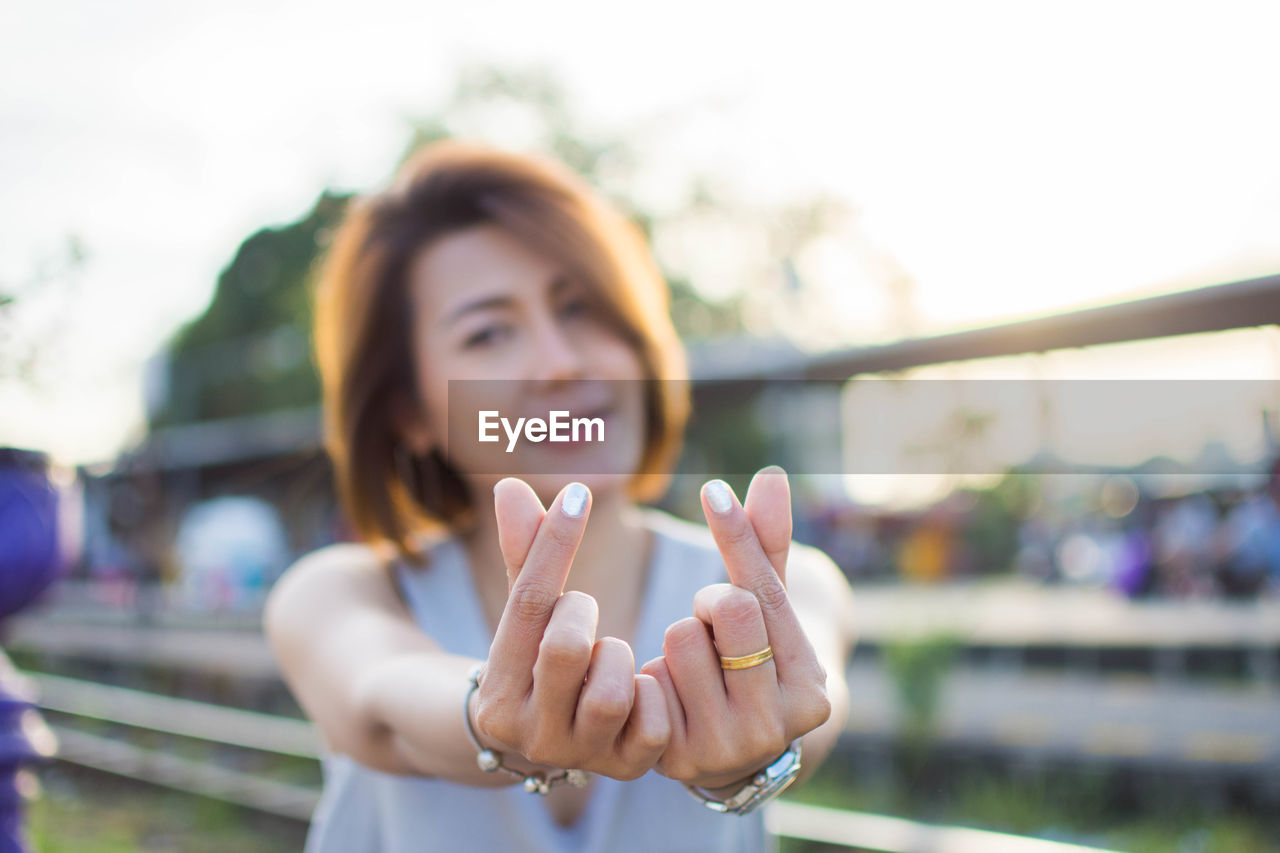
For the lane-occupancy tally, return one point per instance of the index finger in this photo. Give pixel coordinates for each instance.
(749, 567)
(519, 513)
(537, 585)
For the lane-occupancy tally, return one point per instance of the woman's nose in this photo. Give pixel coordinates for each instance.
(555, 357)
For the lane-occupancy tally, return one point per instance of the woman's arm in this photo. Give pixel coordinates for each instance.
(343, 641)
(384, 692)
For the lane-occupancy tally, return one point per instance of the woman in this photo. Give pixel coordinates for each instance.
(468, 657)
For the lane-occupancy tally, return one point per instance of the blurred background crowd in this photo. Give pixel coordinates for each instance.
(131, 547)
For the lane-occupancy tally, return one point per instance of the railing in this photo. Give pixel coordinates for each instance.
(896, 835)
(245, 730)
(1238, 305)
(146, 712)
(1169, 720)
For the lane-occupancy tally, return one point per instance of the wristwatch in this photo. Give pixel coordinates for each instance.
(760, 789)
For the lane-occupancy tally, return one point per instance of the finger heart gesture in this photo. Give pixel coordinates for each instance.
(737, 682)
(734, 706)
(551, 690)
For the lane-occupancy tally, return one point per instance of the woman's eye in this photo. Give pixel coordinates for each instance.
(575, 307)
(485, 336)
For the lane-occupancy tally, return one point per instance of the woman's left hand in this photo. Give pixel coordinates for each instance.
(727, 724)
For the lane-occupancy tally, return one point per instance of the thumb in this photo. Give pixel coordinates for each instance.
(519, 513)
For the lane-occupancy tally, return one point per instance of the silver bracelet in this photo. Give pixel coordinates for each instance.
(490, 761)
(759, 789)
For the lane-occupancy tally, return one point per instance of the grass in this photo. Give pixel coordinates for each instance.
(86, 812)
(1094, 807)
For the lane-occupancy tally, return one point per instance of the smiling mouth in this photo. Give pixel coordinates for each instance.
(586, 436)
(602, 414)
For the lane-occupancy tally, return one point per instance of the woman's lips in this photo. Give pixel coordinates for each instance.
(587, 436)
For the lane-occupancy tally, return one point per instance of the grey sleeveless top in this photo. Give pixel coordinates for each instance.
(367, 811)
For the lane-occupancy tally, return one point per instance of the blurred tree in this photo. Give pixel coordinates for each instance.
(991, 530)
(529, 109)
(248, 352)
(918, 666)
(33, 313)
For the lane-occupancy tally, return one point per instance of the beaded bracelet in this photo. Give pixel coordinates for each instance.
(490, 761)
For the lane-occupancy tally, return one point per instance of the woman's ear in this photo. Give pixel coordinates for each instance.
(409, 424)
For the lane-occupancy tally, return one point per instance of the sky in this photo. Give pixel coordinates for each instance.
(1014, 158)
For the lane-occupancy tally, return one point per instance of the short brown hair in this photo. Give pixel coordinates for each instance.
(362, 341)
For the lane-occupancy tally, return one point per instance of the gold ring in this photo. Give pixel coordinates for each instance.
(747, 661)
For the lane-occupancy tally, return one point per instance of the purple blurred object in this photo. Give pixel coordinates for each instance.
(29, 559)
(16, 749)
(1134, 564)
(29, 562)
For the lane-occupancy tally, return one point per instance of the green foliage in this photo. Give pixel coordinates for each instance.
(1220, 835)
(92, 813)
(1030, 802)
(529, 109)
(611, 163)
(695, 317)
(1076, 804)
(256, 293)
(31, 335)
(727, 437)
(991, 532)
(249, 352)
(918, 666)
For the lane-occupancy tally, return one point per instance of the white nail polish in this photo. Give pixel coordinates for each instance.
(719, 496)
(575, 500)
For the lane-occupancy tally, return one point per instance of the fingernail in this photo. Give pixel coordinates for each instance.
(719, 496)
(575, 500)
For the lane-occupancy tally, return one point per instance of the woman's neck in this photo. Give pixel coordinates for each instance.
(610, 564)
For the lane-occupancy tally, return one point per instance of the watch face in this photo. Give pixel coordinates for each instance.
(779, 775)
(770, 790)
(762, 788)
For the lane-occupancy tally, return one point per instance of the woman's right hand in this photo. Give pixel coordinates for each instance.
(551, 691)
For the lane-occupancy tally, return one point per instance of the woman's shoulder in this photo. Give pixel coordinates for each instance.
(327, 577)
(808, 568)
(361, 560)
(341, 559)
(698, 536)
(679, 530)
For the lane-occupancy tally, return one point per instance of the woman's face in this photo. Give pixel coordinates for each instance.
(526, 340)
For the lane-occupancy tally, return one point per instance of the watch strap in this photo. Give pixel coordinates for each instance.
(762, 787)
